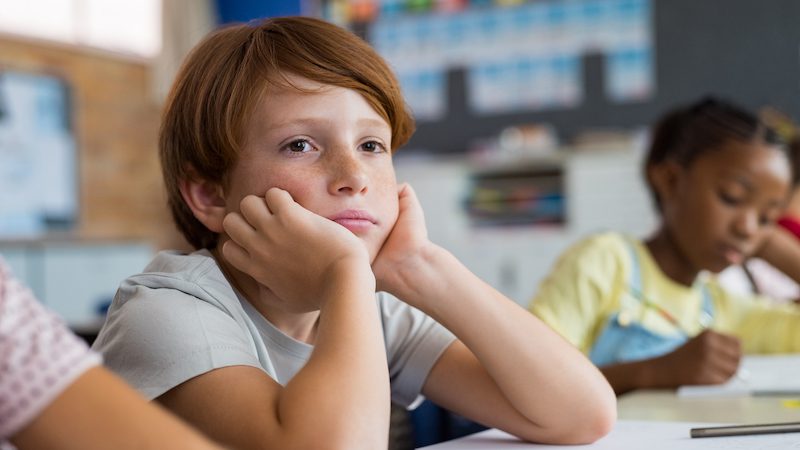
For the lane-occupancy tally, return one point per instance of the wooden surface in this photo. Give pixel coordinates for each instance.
(115, 121)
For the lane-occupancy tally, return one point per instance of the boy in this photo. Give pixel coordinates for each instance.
(276, 149)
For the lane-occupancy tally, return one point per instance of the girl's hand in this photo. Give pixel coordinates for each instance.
(708, 358)
(289, 249)
(405, 245)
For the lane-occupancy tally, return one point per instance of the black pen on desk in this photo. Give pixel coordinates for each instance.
(743, 430)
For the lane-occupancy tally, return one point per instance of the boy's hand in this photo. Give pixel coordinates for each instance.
(405, 244)
(708, 358)
(289, 249)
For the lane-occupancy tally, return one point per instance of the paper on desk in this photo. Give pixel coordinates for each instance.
(758, 375)
(634, 435)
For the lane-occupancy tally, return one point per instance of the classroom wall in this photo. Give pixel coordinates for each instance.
(116, 126)
(745, 50)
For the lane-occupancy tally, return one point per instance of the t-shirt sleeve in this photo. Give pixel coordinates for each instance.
(158, 338)
(580, 291)
(39, 356)
(414, 342)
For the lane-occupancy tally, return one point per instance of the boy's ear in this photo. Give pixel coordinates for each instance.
(665, 178)
(207, 202)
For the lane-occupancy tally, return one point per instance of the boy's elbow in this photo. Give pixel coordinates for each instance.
(597, 421)
(581, 427)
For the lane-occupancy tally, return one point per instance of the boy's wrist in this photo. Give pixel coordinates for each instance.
(350, 271)
(418, 279)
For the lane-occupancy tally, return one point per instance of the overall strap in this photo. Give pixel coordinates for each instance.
(708, 307)
(635, 279)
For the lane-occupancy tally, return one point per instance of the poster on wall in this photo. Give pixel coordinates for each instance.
(517, 55)
(38, 173)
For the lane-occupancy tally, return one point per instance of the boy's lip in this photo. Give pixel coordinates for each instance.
(355, 220)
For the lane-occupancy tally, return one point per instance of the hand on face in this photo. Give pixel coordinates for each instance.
(708, 358)
(289, 249)
(406, 242)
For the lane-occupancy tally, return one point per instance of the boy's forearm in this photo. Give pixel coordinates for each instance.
(346, 372)
(532, 354)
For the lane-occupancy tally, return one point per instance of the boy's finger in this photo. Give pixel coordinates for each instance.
(277, 200)
(254, 210)
(236, 255)
(237, 228)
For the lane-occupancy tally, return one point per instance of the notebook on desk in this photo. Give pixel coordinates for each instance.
(758, 375)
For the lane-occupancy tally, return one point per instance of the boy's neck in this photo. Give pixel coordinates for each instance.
(670, 259)
(299, 326)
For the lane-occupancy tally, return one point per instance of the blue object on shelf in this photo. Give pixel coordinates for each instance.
(432, 424)
(229, 11)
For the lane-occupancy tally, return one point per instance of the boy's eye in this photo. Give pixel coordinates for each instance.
(299, 146)
(373, 147)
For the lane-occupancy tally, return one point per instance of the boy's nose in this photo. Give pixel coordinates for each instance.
(347, 174)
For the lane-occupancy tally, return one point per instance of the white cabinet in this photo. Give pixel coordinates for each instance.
(604, 190)
(76, 279)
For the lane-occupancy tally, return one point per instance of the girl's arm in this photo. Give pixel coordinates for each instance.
(99, 411)
(508, 369)
(782, 250)
(340, 398)
(708, 358)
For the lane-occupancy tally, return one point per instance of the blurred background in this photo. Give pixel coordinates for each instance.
(532, 118)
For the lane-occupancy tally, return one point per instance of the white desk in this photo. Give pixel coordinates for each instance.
(665, 405)
(660, 420)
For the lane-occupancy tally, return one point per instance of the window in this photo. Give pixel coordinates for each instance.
(123, 26)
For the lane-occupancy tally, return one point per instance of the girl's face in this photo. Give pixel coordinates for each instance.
(719, 208)
(329, 149)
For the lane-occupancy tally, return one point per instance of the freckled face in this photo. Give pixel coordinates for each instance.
(330, 150)
(725, 203)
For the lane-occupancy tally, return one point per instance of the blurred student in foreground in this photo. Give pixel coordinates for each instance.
(54, 393)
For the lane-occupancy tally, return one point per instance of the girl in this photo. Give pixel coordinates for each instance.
(645, 312)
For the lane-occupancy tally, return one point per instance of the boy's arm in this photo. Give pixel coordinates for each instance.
(340, 398)
(508, 369)
(99, 411)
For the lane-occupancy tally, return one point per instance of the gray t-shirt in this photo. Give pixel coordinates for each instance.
(181, 318)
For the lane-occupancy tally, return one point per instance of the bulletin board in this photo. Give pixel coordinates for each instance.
(38, 171)
(672, 52)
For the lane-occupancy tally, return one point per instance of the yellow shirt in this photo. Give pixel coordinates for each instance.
(592, 281)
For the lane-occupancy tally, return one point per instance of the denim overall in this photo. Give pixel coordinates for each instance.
(623, 339)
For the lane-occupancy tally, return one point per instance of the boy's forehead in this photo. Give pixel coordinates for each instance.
(292, 99)
(289, 83)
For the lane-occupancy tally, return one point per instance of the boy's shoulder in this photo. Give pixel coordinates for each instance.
(176, 263)
(196, 274)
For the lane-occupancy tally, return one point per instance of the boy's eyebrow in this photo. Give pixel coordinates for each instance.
(364, 122)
